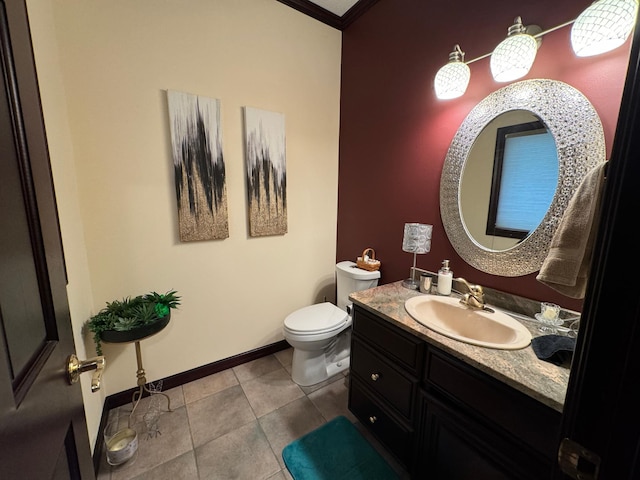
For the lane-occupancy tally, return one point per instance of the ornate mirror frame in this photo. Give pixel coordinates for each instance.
(579, 136)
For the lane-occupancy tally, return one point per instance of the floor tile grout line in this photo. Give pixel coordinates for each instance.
(193, 444)
(262, 374)
(254, 419)
(248, 402)
(270, 447)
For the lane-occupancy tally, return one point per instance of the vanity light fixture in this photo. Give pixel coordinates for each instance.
(416, 239)
(603, 26)
(514, 56)
(453, 78)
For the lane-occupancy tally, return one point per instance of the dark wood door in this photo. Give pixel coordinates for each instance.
(602, 407)
(43, 433)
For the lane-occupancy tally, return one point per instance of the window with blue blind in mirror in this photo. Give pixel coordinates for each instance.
(525, 177)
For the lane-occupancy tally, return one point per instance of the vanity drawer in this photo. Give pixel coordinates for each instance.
(382, 378)
(391, 432)
(401, 347)
(532, 422)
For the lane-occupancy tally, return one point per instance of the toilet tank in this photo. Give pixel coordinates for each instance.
(349, 279)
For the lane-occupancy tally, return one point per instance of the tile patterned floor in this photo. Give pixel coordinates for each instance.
(232, 425)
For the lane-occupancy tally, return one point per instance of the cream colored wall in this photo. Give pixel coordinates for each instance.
(104, 69)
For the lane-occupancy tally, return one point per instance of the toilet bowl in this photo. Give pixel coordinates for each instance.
(321, 334)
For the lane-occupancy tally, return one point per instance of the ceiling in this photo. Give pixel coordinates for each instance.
(339, 7)
(335, 13)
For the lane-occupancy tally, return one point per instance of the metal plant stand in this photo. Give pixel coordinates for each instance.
(142, 385)
(136, 336)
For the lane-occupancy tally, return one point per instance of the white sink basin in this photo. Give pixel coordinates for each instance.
(447, 316)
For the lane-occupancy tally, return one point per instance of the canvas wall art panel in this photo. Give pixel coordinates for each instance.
(266, 172)
(199, 168)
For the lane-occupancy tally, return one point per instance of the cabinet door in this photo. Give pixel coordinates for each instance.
(394, 434)
(395, 386)
(452, 446)
(532, 425)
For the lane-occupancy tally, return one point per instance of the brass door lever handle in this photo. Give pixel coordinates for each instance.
(75, 367)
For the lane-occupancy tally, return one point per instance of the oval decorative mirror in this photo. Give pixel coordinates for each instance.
(511, 170)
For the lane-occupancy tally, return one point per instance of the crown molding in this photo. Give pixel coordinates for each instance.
(327, 17)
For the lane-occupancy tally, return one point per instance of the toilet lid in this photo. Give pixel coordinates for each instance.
(316, 318)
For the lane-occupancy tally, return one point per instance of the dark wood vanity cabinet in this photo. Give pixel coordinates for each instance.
(386, 367)
(474, 426)
(440, 417)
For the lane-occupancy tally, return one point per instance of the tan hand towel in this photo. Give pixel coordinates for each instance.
(566, 268)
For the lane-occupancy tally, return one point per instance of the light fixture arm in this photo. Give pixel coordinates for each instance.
(537, 36)
(553, 29)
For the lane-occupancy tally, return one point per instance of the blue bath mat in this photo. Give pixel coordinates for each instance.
(335, 451)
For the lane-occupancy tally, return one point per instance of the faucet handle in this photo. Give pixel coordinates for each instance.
(473, 289)
(464, 282)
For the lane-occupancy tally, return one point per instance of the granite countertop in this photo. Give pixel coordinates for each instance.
(521, 369)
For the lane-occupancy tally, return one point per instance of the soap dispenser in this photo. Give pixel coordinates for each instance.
(445, 278)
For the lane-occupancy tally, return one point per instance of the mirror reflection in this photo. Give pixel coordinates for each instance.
(508, 180)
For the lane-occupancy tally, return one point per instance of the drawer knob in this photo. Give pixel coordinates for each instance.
(375, 376)
(372, 419)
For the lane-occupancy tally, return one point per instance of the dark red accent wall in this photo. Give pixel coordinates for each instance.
(394, 132)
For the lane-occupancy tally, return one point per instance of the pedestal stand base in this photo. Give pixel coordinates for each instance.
(142, 386)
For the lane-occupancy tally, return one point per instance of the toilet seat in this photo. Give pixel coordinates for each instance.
(315, 319)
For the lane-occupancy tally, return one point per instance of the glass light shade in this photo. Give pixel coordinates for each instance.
(417, 238)
(452, 80)
(603, 26)
(513, 57)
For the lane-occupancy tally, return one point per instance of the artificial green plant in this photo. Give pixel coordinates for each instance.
(131, 313)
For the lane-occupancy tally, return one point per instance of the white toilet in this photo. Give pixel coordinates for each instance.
(320, 334)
